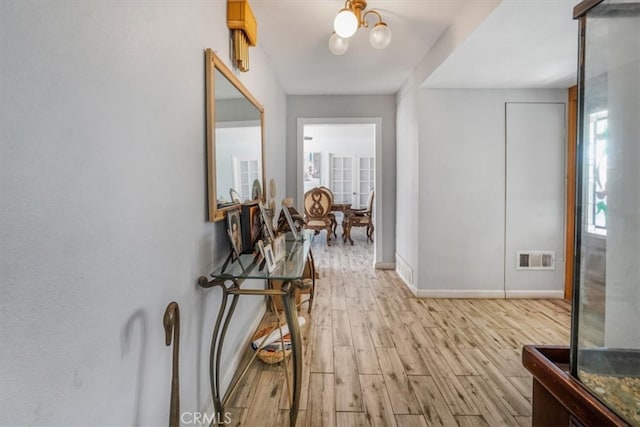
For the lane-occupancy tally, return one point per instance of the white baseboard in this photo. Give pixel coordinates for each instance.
(405, 273)
(384, 265)
(234, 363)
(404, 270)
(535, 294)
(459, 293)
(495, 294)
(411, 288)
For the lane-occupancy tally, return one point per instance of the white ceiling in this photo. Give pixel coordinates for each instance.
(295, 36)
(523, 43)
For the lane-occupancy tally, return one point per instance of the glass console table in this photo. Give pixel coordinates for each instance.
(290, 270)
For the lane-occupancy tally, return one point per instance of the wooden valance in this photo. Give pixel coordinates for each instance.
(244, 30)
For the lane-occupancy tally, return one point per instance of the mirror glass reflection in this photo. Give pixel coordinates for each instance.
(238, 143)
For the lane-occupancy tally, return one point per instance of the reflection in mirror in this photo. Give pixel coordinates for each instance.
(238, 141)
(235, 143)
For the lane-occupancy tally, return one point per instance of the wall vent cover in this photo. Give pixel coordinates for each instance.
(536, 260)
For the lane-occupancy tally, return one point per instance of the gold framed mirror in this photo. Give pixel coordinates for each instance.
(235, 139)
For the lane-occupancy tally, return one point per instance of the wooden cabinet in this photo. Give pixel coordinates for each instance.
(558, 398)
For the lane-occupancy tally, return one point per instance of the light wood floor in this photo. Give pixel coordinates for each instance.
(376, 356)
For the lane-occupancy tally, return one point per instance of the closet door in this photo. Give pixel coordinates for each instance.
(535, 195)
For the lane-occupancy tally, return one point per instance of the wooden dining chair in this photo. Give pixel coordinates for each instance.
(360, 218)
(332, 216)
(317, 207)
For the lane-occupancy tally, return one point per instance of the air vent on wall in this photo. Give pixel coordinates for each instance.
(536, 260)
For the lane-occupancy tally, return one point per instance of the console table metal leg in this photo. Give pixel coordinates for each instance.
(287, 292)
(291, 314)
(312, 268)
(217, 340)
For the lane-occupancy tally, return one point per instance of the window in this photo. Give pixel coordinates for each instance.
(597, 173)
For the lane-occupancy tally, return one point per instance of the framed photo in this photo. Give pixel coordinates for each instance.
(255, 220)
(260, 248)
(271, 260)
(251, 225)
(266, 220)
(292, 225)
(256, 190)
(234, 230)
(279, 248)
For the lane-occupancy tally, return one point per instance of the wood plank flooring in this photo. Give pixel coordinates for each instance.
(377, 356)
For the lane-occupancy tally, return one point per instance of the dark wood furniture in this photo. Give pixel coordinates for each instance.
(340, 207)
(332, 216)
(558, 398)
(359, 218)
(317, 211)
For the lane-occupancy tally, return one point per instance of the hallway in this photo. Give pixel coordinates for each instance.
(375, 355)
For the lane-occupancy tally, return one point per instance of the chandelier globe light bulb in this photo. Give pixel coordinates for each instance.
(345, 24)
(338, 45)
(380, 36)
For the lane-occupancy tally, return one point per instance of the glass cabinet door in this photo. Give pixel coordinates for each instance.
(606, 329)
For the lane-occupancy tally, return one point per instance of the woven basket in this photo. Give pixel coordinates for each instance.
(269, 357)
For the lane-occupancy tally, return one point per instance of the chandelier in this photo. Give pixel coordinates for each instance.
(349, 20)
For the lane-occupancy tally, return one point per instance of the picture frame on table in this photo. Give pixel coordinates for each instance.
(260, 258)
(251, 226)
(279, 247)
(292, 225)
(266, 220)
(270, 258)
(234, 230)
(260, 246)
(255, 221)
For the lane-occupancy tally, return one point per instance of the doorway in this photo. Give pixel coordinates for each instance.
(341, 154)
(340, 157)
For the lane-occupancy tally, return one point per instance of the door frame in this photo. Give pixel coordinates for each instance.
(572, 144)
(379, 214)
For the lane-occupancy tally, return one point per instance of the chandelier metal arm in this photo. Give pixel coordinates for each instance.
(364, 22)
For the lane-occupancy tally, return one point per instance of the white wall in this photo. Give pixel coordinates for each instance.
(103, 206)
(535, 200)
(462, 189)
(346, 106)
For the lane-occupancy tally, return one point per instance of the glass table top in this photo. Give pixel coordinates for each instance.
(289, 267)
